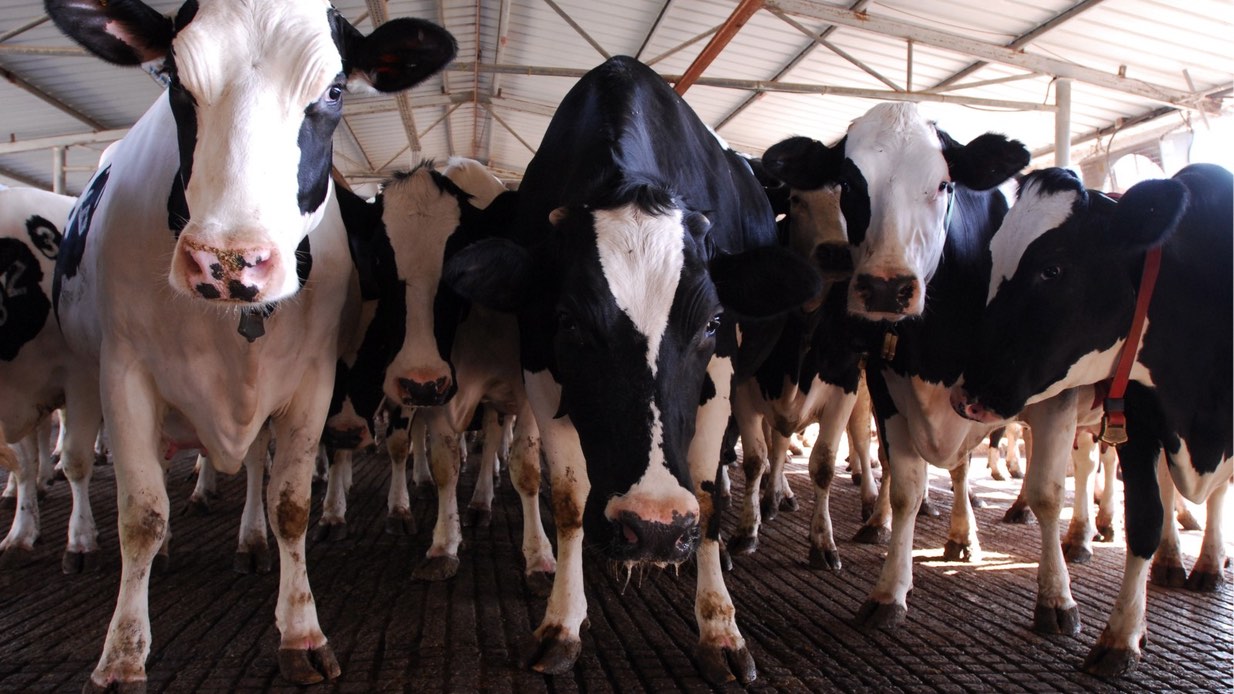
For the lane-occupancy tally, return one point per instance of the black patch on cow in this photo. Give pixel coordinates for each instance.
(184, 112)
(23, 304)
(317, 146)
(304, 261)
(73, 246)
(44, 236)
(708, 391)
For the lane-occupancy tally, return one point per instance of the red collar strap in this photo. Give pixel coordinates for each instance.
(1114, 423)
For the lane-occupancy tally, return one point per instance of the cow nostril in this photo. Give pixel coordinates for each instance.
(628, 534)
(905, 294)
(441, 384)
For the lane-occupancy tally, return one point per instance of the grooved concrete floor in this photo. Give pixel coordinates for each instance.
(967, 630)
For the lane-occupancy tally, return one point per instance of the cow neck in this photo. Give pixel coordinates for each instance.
(1114, 422)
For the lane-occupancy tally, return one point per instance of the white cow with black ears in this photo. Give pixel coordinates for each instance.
(216, 207)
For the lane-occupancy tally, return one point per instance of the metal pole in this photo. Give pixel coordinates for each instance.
(57, 170)
(1062, 122)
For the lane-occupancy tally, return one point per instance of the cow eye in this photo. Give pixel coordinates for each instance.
(566, 323)
(946, 186)
(713, 325)
(334, 93)
(1051, 272)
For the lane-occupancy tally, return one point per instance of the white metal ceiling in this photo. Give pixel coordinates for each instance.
(1131, 59)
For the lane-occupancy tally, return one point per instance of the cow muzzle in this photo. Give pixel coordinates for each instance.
(660, 529)
(970, 408)
(417, 390)
(253, 274)
(886, 298)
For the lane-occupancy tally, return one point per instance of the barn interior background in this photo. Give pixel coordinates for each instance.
(1131, 88)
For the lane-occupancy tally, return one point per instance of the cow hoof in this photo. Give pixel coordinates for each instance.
(1167, 575)
(540, 583)
(867, 510)
(479, 517)
(769, 508)
(161, 563)
(8, 503)
(135, 687)
(552, 654)
(1105, 661)
(440, 568)
(197, 506)
(1105, 534)
(998, 475)
(720, 665)
(880, 615)
(1056, 620)
(424, 490)
(789, 504)
(857, 479)
(256, 561)
(1016, 473)
(1204, 581)
(873, 535)
(976, 502)
(957, 551)
(826, 559)
(79, 562)
(927, 510)
(308, 666)
(16, 557)
(1018, 515)
(1076, 554)
(331, 531)
(401, 523)
(743, 545)
(1187, 521)
(100, 460)
(726, 559)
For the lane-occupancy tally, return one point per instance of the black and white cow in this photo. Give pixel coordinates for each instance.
(36, 370)
(215, 207)
(1066, 276)
(919, 209)
(641, 238)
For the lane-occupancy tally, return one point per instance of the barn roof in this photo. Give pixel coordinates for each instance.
(769, 69)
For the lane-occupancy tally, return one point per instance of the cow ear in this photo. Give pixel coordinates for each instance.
(123, 32)
(763, 282)
(496, 273)
(399, 54)
(985, 162)
(1148, 213)
(804, 163)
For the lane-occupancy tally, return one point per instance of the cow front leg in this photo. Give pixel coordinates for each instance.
(399, 520)
(524, 459)
(1107, 500)
(962, 543)
(17, 548)
(776, 495)
(831, 426)
(754, 464)
(1056, 611)
(1208, 574)
(1078, 542)
(480, 510)
(421, 474)
(1167, 565)
(252, 549)
(304, 655)
(333, 524)
(205, 490)
(887, 605)
(445, 454)
(79, 432)
(861, 464)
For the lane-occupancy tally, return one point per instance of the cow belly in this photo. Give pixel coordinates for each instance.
(1192, 484)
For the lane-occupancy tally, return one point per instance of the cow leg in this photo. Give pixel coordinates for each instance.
(1186, 519)
(1056, 611)
(858, 429)
(304, 655)
(333, 524)
(47, 465)
(556, 644)
(1020, 513)
(926, 508)
(1208, 574)
(754, 463)
(831, 426)
(142, 510)
(8, 499)
(1117, 650)
(445, 454)
(421, 475)
(18, 546)
(480, 510)
(962, 543)
(399, 520)
(1107, 500)
(998, 466)
(524, 457)
(206, 489)
(887, 605)
(79, 427)
(777, 485)
(252, 549)
(1078, 542)
(1167, 566)
(877, 528)
(503, 451)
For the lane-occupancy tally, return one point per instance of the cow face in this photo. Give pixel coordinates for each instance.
(1066, 269)
(256, 90)
(896, 174)
(622, 305)
(428, 218)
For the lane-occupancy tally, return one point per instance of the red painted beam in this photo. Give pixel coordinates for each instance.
(727, 31)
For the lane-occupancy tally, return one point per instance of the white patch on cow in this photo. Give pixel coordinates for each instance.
(1193, 485)
(1097, 366)
(475, 178)
(900, 156)
(642, 256)
(657, 496)
(1033, 215)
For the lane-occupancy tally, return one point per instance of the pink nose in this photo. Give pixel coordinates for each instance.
(228, 274)
(969, 408)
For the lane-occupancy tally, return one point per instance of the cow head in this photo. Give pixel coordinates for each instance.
(429, 217)
(256, 90)
(1066, 269)
(896, 175)
(623, 305)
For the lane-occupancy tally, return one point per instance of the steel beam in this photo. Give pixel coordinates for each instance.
(745, 10)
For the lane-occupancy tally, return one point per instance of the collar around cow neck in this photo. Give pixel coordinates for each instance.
(1114, 422)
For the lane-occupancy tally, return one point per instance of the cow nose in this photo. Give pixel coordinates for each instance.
(834, 260)
(968, 408)
(228, 274)
(425, 393)
(638, 539)
(891, 295)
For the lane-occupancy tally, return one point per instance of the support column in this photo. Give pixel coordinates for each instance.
(57, 169)
(1062, 122)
